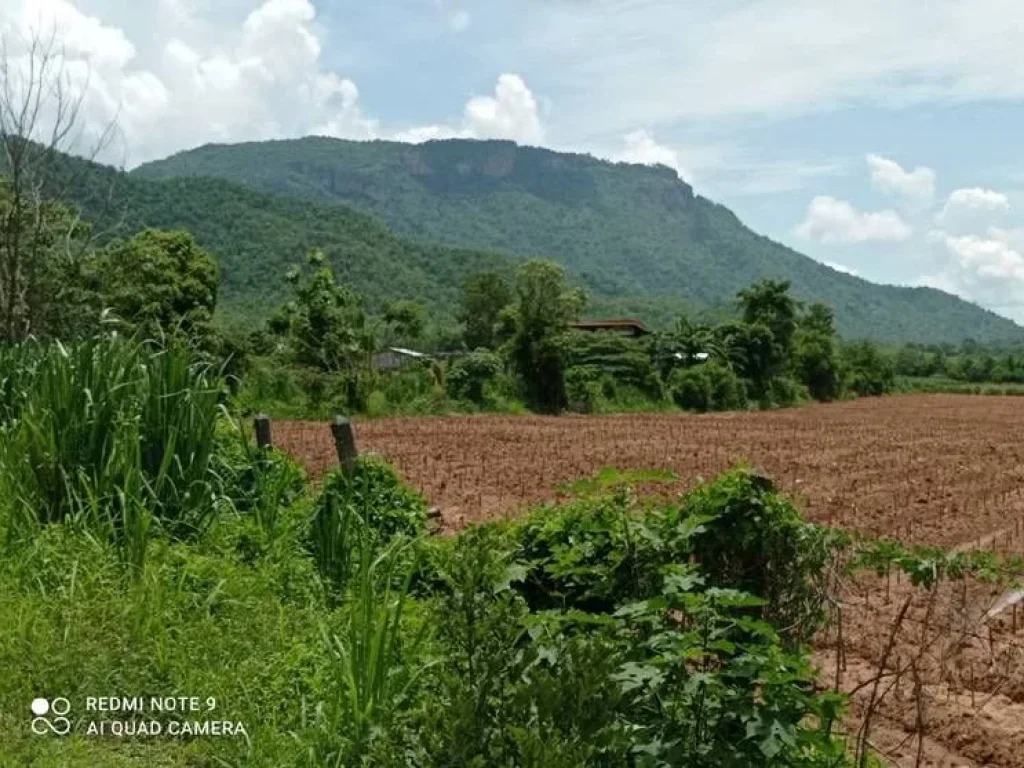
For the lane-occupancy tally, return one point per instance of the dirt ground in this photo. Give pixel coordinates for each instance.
(933, 469)
(943, 470)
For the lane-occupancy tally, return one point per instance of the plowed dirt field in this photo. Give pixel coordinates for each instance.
(942, 470)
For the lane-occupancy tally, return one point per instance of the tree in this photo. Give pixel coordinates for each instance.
(768, 305)
(868, 371)
(815, 361)
(712, 386)
(544, 309)
(41, 270)
(484, 296)
(469, 375)
(405, 319)
(160, 282)
(681, 346)
(751, 351)
(42, 243)
(324, 324)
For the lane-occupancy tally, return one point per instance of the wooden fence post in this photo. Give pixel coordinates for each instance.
(344, 443)
(262, 426)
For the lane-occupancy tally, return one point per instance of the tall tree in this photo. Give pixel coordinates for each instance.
(484, 296)
(815, 359)
(324, 323)
(769, 303)
(767, 307)
(545, 307)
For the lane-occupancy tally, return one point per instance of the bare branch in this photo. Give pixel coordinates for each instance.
(41, 108)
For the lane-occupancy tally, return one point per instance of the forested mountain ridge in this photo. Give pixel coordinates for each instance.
(256, 237)
(635, 236)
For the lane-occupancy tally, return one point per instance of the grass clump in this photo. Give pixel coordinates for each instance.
(113, 436)
(362, 511)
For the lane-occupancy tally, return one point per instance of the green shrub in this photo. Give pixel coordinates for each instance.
(785, 390)
(690, 389)
(869, 372)
(470, 374)
(589, 555)
(377, 404)
(583, 635)
(746, 536)
(712, 386)
(268, 385)
(261, 483)
(407, 385)
(584, 389)
(623, 358)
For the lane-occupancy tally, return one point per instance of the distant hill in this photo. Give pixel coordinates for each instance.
(637, 237)
(257, 236)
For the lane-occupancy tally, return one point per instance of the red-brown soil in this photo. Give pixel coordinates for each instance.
(927, 469)
(934, 469)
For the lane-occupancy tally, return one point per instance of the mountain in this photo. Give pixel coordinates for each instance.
(257, 236)
(636, 236)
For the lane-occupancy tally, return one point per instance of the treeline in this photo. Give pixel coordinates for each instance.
(515, 346)
(510, 346)
(967, 362)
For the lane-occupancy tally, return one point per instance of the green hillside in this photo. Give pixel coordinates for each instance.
(256, 237)
(636, 236)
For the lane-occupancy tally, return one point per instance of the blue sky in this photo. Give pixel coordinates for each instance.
(879, 137)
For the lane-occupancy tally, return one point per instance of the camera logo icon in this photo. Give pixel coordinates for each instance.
(50, 716)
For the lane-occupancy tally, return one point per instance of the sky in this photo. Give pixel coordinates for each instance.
(881, 138)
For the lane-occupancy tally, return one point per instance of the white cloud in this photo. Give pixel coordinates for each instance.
(889, 177)
(840, 267)
(976, 199)
(1012, 237)
(511, 113)
(262, 78)
(81, 35)
(987, 258)
(831, 221)
(988, 269)
(641, 148)
(972, 210)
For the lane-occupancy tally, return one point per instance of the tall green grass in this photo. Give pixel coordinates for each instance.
(376, 662)
(359, 511)
(109, 434)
